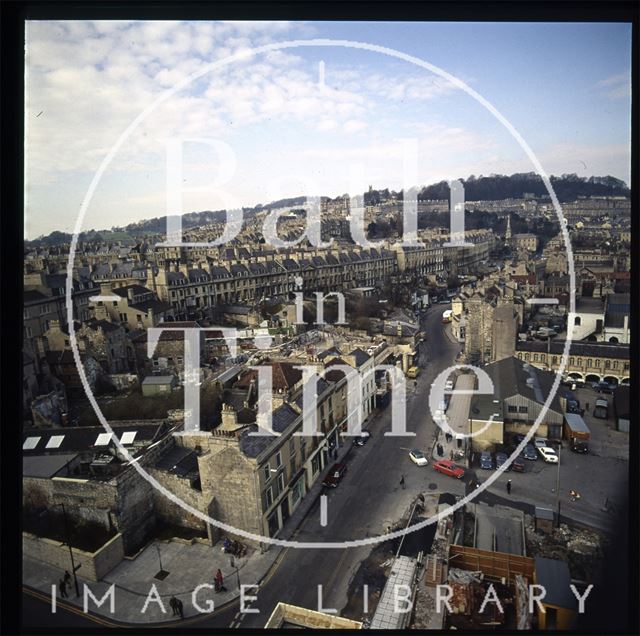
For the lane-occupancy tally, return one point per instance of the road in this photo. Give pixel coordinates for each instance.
(366, 502)
(370, 498)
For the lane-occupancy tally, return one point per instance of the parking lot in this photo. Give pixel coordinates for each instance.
(601, 476)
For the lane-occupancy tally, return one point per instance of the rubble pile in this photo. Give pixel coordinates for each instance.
(582, 549)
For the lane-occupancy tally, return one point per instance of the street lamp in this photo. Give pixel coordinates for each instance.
(235, 564)
(74, 569)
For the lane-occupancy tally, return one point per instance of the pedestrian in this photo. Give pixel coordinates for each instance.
(402, 482)
(180, 608)
(219, 579)
(448, 436)
(451, 455)
(63, 588)
(586, 406)
(509, 487)
(173, 604)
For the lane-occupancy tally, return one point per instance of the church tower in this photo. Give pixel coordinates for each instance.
(507, 234)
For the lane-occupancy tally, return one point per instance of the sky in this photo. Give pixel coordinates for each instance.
(307, 120)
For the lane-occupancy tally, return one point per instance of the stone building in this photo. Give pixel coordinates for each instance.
(133, 306)
(522, 391)
(256, 482)
(107, 343)
(587, 361)
(524, 242)
(81, 468)
(189, 290)
(491, 325)
(168, 355)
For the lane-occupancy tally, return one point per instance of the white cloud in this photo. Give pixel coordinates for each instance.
(353, 125)
(616, 86)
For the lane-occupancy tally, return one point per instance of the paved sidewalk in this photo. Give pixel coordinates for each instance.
(189, 565)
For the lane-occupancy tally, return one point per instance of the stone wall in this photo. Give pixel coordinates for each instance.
(170, 512)
(124, 503)
(229, 480)
(94, 565)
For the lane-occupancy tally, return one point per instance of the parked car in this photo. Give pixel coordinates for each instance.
(601, 409)
(335, 475)
(447, 467)
(540, 442)
(517, 465)
(604, 387)
(418, 457)
(486, 461)
(501, 458)
(519, 438)
(529, 452)
(548, 454)
(362, 439)
(448, 385)
(579, 446)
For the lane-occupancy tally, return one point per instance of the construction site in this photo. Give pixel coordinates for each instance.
(474, 569)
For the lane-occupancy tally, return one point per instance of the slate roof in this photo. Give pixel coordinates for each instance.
(105, 325)
(46, 466)
(555, 577)
(331, 351)
(593, 349)
(158, 306)
(137, 290)
(34, 296)
(282, 418)
(177, 278)
(198, 275)
(179, 461)
(218, 272)
(360, 357)
(509, 377)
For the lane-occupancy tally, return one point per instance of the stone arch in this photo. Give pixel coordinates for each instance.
(575, 376)
(577, 322)
(611, 379)
(592, 377)
(614, 340)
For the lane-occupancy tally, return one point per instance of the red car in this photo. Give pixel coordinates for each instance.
(450, 468)
(335, 475)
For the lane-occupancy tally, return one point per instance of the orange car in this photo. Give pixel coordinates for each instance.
(450, 468)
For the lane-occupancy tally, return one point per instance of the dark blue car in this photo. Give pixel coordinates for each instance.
(486, 461)
(529, 452)
(501, 458)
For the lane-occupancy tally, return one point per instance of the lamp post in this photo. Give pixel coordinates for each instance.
(159, 557)
(235, 565)
(558, 486)
(73, 565)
